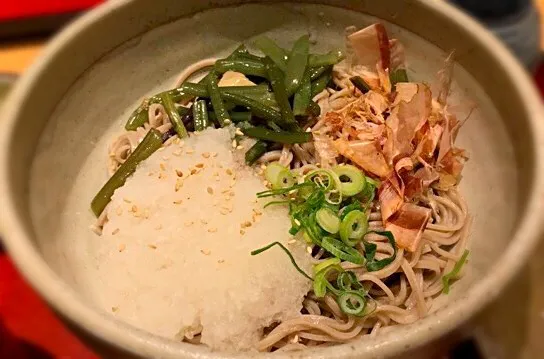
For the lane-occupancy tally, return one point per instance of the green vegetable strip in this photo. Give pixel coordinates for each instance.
(174, 116)
(255, 152)
(399, 75)
(315, 72)
(269, 48)
(372, 264)
(341, 250)
(296, 65)
(200, 115)
(245, 66)
(358, 82)
(277, 80)
(150, 143)
(217, 101)
(303, 96)
(328, 59)
(137, 118)
(280, 137)
(454, 272)
(256, 107)
(235, 116)
(258, 251)
(313, 109)
(182, 110)
(321, 83)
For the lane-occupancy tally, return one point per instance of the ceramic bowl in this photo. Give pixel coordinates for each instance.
(61, 115)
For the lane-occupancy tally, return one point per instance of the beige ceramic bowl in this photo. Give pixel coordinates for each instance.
(58, 120)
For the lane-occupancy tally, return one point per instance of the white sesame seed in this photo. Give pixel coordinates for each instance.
(263, 166)
(189, 151)
(227, 122)
(297, 222)
(309, 249)
(178, 201)
(212, 229)
(152, 246)
(309, 129)
(115, 231)
(292, 241)
(206, 155)
(127, 200)
(209, 190)
(240, 147)
(122, 247)
(238, 132)
(179, 173)
(206, 252)
(214, 154)
(234, 144)
(220, 261)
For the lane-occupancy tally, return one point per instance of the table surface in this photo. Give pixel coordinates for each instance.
(513, 327)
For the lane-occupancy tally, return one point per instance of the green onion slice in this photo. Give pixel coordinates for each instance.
(353, 227)
(326, 263)
(265, 248)
(321, 283)
(341, 250)
(328, 220)
(348, 281)
(279, 176)
(352, 303)
(355, 179)
(324, 178)
(372, 264)
(454, 272)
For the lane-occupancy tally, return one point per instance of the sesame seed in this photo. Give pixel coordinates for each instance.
(199, 165)
(162, 166)
(220, 261)
(162, 175)
(115, 231)
(152, 246)
(209, 190)
(263, 166)
(295, 338)
(229, 171)
(309, 129)
(189, 223)
(189, 151)
(206, 252)
(134, 208)
(203, 221)
(127, 200)
(206, 155)
(245, 224)
(194, 171)
(165, 158)
(178, 201)
(151, 173)
(177, 153)
(212, 229)
(234, 144)
(238, 132)
(227, 122)
(309, 249)
(119, 211)
(240, 147)
(179, 173)
(242, 232)
(214, 154)
(114, 309)
(297, 222)
(177, 140)
(122, 247)
(179, 184)
(292, 241)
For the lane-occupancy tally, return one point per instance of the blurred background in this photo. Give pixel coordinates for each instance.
(511, 328)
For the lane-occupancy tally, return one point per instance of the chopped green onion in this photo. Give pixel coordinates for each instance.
(355, 205)
(454, 272)
(279, 176)
(326, 263)
(341, 250)
(372, 264)
(324, 178)
(352, 303)
(328, 220)
(353, 227)
(320, 279)
(348, 281)
(275, 192)
(358, 82)
(265, 248)
(356, 180)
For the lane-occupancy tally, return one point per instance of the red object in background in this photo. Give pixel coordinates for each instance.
(17, 9)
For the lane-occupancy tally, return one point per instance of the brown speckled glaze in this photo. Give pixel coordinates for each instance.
(58, 120)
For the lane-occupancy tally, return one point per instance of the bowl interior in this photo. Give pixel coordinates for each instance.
(72, 150)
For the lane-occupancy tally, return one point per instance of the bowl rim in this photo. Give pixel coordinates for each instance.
(65, 300)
